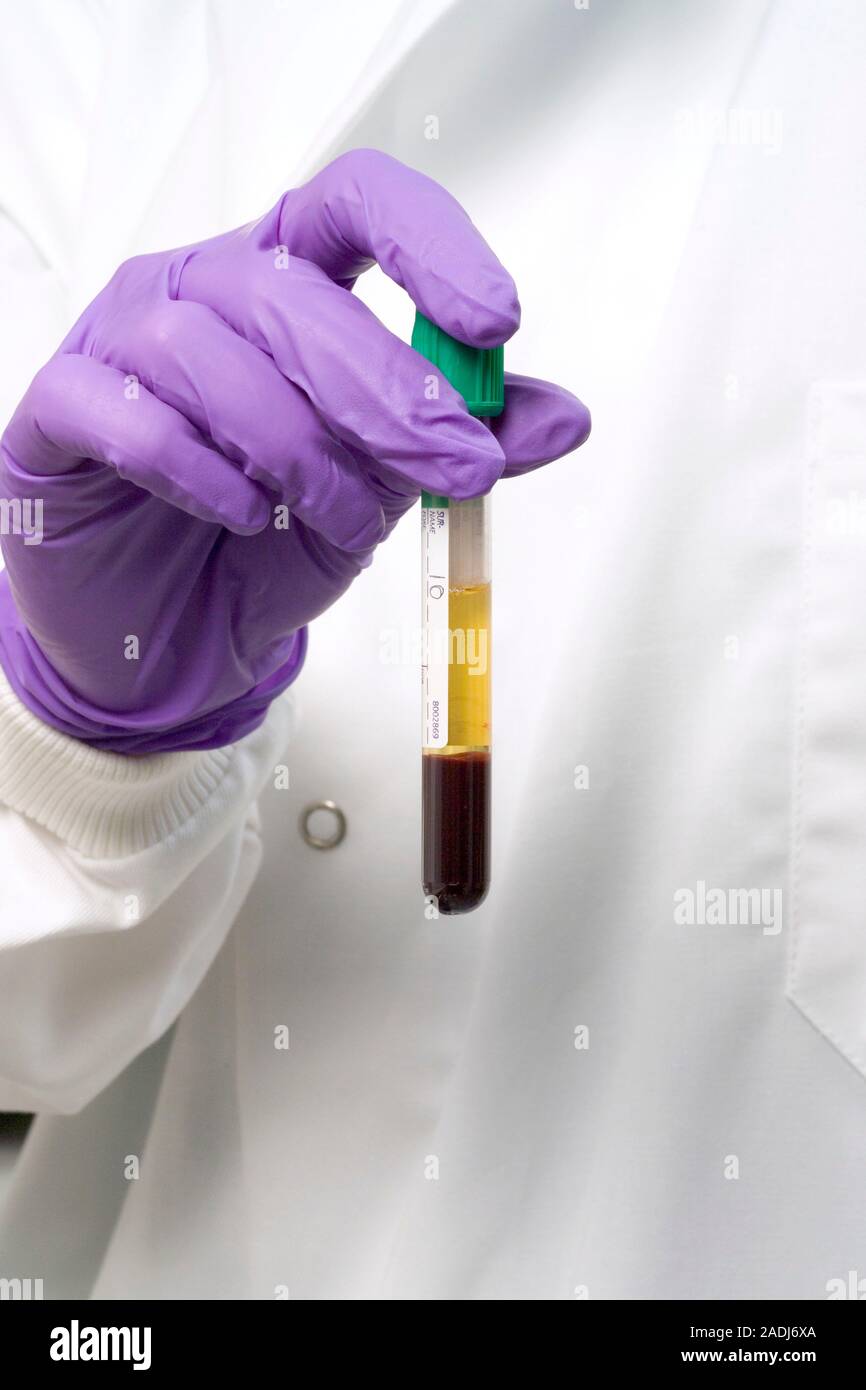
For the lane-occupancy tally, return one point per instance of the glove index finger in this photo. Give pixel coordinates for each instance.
(369, 387)
(367, 207)
(77, 409)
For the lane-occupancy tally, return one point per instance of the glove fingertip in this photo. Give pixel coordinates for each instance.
(581, 425)
(249, 520)
(368, 536)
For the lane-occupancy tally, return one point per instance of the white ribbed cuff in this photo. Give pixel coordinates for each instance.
(104, 805)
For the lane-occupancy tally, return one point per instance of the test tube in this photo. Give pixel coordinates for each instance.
(455, 759)
(456, 661)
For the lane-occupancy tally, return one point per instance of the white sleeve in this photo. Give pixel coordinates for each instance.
(119, 880)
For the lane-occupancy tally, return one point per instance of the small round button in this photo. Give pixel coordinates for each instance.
(322, 825)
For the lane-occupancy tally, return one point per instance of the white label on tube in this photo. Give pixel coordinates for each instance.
(434, 658)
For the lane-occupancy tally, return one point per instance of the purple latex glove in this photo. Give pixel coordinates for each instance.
(211, 395)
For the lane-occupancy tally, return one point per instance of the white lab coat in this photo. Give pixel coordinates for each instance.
(574, 1092)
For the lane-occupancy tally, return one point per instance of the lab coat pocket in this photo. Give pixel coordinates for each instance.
(827, 948)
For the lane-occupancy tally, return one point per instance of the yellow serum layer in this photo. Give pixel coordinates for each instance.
(468, 669)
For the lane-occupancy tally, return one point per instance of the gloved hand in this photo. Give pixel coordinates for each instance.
(211, 395)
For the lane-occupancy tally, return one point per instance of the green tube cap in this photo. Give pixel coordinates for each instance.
(477, 373)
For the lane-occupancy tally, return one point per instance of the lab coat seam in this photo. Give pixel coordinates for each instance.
(817, 450)
(819, 1023)
(813, 421)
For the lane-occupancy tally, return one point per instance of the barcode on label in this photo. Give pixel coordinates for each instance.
(434, 625)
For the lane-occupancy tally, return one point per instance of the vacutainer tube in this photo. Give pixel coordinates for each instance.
(456, 661)
(455, 761)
